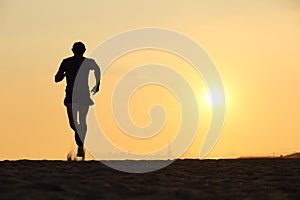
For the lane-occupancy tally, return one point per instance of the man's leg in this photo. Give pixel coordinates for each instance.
(83, 110)
(73, 122)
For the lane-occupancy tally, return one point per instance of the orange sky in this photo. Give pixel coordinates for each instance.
(254, 44)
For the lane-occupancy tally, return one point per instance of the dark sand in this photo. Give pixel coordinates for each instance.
(184, 179)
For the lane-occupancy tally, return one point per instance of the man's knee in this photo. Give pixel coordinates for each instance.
(72, 125)
(82, 122)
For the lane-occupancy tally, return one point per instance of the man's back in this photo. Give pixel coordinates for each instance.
(77, 69)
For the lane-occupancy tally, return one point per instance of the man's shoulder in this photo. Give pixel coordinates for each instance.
(71, 61)
(68, 59)
(74, 58)
(89, 60)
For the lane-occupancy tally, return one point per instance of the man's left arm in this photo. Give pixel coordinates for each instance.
(97, 73)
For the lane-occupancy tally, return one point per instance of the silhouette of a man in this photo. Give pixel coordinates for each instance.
(77, 100)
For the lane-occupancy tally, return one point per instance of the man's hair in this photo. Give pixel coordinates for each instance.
(78, 48)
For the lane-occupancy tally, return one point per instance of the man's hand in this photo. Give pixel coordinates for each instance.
(59, 76)
(95, 89)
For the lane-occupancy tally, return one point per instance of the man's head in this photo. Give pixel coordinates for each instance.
(78, 48)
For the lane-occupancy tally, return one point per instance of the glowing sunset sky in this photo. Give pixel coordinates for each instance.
(254, 44)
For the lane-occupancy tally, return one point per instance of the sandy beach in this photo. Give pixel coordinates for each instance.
(184, 179)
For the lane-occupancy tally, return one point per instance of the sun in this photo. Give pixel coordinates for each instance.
(214, 97)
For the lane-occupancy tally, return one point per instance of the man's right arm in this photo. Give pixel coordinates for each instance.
(60, 75)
